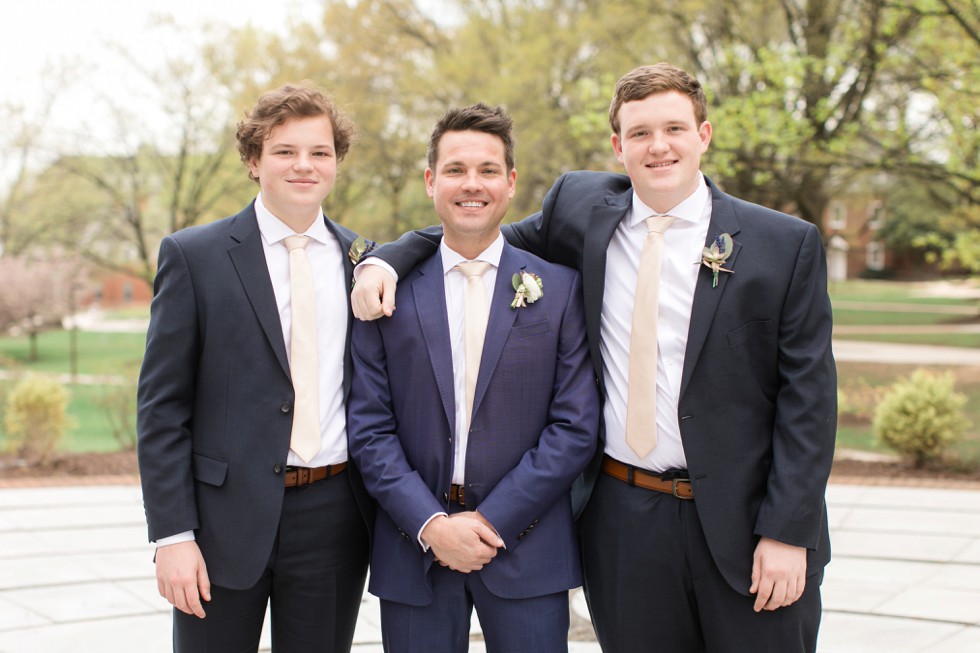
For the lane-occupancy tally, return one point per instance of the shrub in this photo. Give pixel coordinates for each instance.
(920, 416)
(35, 417)
(857, 400)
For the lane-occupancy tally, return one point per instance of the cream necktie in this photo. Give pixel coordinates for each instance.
(304, 439)
(475, 314)
(641, 401)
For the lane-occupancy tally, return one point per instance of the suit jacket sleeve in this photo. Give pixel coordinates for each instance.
(806, 406)
(373, 438)
(165, 400)
(567, 443)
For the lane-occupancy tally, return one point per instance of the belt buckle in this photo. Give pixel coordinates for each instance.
(673, 488)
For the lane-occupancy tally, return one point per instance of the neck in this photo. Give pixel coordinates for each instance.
(470, 246)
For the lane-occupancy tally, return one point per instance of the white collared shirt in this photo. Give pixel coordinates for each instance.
(455, 284)
(329, 284)
(683, 243)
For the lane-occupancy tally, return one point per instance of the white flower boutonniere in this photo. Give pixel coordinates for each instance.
(715, 256)
(529, 289)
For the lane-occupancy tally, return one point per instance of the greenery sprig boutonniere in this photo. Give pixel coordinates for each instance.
(529, 289)
(715, 256)
(359, 248)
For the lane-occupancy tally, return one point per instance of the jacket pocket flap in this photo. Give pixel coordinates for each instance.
(209, 470)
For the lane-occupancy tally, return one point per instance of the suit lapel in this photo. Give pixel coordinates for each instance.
(500, 321)
(345, 237)
(706, 298)
(249, 260)
(429, 290)
(598, 231)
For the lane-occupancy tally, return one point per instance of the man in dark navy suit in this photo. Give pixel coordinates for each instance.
(239, 510)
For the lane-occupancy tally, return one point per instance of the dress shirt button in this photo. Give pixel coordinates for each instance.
(286, 407)
(278, 468)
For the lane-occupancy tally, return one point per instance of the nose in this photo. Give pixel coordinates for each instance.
(658, 143)
(471, 181)
(303, 161)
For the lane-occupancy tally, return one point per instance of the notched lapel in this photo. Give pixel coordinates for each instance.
(429, 291)
(706, 298)
(598, 232)
(500, 321)
(253, 271)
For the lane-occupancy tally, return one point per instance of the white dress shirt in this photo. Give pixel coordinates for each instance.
(329, 284)
(683, 243)
(455, 285)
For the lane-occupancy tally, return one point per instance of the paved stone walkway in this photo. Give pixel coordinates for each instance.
(76, 574)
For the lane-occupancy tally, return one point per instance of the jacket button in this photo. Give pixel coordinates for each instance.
(285, 407)
(278, 468)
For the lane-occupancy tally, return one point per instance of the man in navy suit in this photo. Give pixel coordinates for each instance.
(715, 539)
(472, 460)
(239, 516)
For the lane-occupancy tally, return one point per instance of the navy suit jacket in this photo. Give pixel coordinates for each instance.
(758, 400)
(215, 397)
(534, 429)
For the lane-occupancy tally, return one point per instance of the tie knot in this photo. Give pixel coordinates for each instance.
(659, 223)
(296, 242)
(471, 269)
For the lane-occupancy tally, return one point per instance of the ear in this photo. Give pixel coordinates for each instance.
(704, 133)
(253, 166)
(430, 180)
(617, 146)
(512, 182)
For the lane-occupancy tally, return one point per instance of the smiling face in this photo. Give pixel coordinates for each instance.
(297, 169)
(470, 188)
(660, 144)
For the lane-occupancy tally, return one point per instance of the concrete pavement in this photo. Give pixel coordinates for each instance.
(76, 575)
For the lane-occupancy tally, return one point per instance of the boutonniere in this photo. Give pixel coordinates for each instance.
(359, 248)
(715, 256)
(529, 289)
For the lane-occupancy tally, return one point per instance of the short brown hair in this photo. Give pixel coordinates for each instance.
(658, 78)
(302, 100)
(476, 117)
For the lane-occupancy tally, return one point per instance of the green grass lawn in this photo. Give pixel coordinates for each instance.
(854, 304)
(114, 354)
(97, 353)
(897, 292)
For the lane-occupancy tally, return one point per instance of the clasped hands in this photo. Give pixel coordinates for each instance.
(464, 542)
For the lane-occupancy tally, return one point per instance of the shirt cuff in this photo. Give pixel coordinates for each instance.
(186, 536)
(425, 547)
(374, 260)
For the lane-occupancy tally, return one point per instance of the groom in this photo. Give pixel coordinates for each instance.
(471, 412)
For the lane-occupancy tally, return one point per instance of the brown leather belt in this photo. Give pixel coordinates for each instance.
(678, 487)
(457, 494)
(296, 476)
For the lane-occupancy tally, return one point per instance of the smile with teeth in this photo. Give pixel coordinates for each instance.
(472, 204)
(661, 164)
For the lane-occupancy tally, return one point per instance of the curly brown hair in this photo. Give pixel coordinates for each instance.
(302, 100)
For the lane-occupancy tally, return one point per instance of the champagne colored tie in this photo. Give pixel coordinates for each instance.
(475, 314)
(641, 401)
(304, 439)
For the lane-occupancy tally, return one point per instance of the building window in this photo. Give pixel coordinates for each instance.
(876, 216)
(875, 256)
(838, 216)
